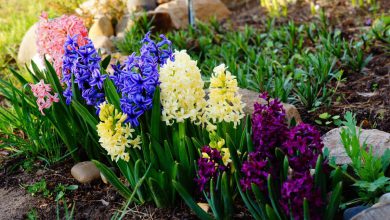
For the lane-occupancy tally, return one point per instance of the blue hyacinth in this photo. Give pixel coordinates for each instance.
(82, 62)
(137, 79)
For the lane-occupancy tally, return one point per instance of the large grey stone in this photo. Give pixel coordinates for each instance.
(384, 199)
(379, 140)
(374, 213)
(85, 172)
(250, 98)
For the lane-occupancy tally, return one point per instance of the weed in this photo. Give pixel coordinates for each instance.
(38, 188)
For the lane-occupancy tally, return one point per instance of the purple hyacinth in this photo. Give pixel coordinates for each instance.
(254, 171)
(137, 79)
(303, 146)
(208, 167)
(293, 192)
(269, 126)
(82, 63)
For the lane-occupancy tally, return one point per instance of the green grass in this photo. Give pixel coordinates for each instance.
(17, 16)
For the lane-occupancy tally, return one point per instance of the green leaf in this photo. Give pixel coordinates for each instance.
(334, 202)
(72, 187)
(113, 179)
(324, 115)
(106, 61)
(271, 213)
(385, 159)
(272, 196)
(156, 115)
(190, 201)
(111, 93)
(306, 211)
(227, 196)
(83, 112)
(380, 183)
(256, 213)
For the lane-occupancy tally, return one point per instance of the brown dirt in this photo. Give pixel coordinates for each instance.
(95, 200)
(21, 203)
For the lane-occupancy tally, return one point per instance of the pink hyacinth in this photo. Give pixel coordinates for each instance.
(52, 34)
(44, 98)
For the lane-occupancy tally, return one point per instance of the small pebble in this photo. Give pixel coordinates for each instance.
(85, 172)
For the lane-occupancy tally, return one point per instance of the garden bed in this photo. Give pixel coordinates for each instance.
(365, 93)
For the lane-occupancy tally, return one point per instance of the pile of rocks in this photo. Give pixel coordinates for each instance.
(110, 19)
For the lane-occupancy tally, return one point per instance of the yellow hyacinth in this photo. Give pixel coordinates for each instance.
(224, 103)
(182, 94)
(115, 136)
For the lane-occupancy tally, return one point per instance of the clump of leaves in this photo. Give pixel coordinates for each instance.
(39, 188)
(369, 168)
(328, 119)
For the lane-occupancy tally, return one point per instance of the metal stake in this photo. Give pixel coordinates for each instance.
(191, 13)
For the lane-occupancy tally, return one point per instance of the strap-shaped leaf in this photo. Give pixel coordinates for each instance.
(105, 62)
(271, 213)
(190, 201)
(272, 197)
(334, 202)
(111, 93)
(227, 196)
(113, 179)
(83, 112)
(306, 211)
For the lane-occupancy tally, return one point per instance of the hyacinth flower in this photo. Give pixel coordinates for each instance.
(42, 92)
(295, 190)
(224, 103)
(255, 171)
(269, 127)
(136, 80)
(303, 146)
(53, 33)
(182, 95)
(115, 135)
(83, 64)
(209, 166)
(289, 183)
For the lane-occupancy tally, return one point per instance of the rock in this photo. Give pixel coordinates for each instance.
(103, 43)
(204, 11)
(379, 140)
(39, 62)
(140, 5)
(161, 21)
(159, 2)
(101, 27)
(351, 212)
(233, 4)
(204, 206)
(93, 9)
(123, 25)
(28, 47)
(85, 172)
(104, 179)
(384, 199)
(250, 98)
(374, 213)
